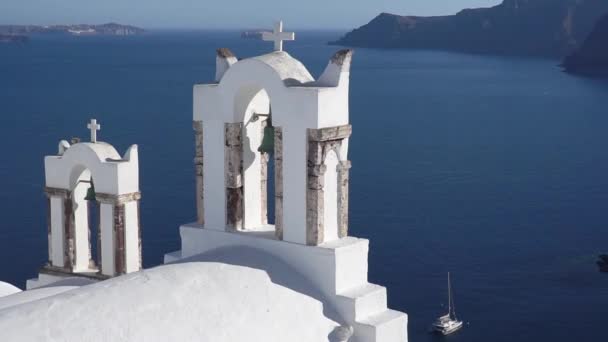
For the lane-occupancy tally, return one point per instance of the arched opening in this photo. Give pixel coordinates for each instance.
(84, 238)
(258, 164)
(330, 197)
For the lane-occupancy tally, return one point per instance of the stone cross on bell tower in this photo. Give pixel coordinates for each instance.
(278, 36)
(94, 127)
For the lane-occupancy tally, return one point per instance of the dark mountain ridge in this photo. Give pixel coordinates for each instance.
(520, 27)
(592, 57)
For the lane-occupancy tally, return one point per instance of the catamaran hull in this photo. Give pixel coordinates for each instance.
(451, 329)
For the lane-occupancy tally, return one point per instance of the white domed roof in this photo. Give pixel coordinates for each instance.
(104, 151)
(289, 69)
(194, 301)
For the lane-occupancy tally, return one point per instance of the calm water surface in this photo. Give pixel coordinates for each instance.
(495, 169)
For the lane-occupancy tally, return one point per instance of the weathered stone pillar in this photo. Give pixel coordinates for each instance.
(343, 181)
(119, 239)
(69, 233)
(122, 240)
(198, 164)
(234, 175)
(315, 203)
(49, 230)
(320, 142)
(278, 182)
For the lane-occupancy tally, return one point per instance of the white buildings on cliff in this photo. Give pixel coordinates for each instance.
(240, 275)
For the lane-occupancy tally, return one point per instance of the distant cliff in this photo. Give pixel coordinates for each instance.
(592, 57)
(82, 29)
(12, 38)
(521, 27)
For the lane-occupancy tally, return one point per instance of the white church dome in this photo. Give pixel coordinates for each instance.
(289, 69)
(104, 151)
(193, 301)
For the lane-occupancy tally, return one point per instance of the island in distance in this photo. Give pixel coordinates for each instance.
(13, 38)
(592, 58)
(515, 27)
(112, 29)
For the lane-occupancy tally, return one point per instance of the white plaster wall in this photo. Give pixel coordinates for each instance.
(351, 264)
(252, 159)
(213, 180)
(81, 225)
(128, 171)
(333, 106)
(252, 176)
(112, 174)
(331, 267)
(106, 215)
(57, 231)
(131, 237)
(330, 194)
(344, 150)
(294, 185)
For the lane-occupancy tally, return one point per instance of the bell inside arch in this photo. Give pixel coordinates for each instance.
(91, 193)
(267, 145)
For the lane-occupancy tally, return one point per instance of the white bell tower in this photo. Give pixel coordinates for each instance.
(304, 124)
(84, 177)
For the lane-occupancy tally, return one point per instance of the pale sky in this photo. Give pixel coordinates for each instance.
(223, 14)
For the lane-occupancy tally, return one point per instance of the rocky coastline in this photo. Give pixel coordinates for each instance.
(592, 57)
(514, 27)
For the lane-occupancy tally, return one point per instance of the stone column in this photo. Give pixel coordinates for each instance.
(198, 164)
(69, 234)
(278, 182)
(234, 175)
(320, 142)
(121, 240)
(343, 181)
(315, 197)
(49, 230)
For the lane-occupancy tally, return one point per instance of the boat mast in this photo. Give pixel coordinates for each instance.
(449, 296)
(452, 306)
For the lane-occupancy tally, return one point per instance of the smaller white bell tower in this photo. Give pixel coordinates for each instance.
(92, 195)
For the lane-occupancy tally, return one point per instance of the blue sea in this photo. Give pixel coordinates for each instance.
(492, 168)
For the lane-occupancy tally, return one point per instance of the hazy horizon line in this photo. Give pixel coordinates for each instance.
(170, 27)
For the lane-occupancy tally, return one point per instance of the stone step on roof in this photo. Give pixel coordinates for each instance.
(363, 301)
(389, 325)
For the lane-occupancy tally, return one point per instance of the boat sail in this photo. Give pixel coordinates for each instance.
(448, 323)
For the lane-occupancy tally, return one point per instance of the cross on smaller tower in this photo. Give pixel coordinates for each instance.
(278, 36)
(94, 127)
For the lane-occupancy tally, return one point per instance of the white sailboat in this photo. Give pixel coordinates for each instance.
(448, 323)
